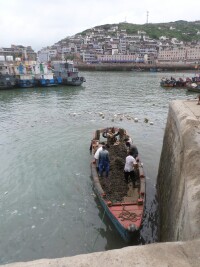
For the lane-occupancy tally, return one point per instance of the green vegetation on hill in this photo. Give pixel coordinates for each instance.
(182, 30)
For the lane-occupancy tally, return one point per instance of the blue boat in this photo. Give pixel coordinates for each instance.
(44, 76)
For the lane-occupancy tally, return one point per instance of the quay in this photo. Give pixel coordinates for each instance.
(135, 67)
(178, 186)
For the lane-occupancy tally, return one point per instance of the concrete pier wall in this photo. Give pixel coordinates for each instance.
(179, 173)
(133, 66)
(179, 195)
(179, 254)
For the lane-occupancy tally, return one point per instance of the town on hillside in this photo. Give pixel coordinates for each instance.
(112, 44)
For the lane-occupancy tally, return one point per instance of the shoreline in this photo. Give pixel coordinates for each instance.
(136, 67)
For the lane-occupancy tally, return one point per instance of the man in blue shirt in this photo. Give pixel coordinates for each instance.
(104, 161)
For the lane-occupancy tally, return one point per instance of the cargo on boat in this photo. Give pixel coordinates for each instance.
(122, 201)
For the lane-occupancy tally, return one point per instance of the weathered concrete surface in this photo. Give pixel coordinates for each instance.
(180, 254)
(179, 173)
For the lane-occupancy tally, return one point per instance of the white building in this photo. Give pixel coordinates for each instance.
(117, 58)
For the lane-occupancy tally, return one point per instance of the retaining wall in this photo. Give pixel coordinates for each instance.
(179, 173)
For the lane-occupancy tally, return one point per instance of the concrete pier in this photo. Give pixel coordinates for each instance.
(179, 200)
(179, 173)
(178, 254)
(134, 67)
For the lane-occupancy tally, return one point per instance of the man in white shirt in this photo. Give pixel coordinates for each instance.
(129, 171)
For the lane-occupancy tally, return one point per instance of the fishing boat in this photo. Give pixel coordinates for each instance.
(7, 79)
(123, 203)
(172, 82)
(44, 75)
(24, 75)
(167, 83)
(194, 87)
(67, 74)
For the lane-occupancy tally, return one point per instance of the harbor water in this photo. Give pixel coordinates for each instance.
(48, 208)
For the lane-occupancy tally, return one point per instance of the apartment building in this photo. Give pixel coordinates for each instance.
(181, 54)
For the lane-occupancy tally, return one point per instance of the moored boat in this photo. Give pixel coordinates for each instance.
(25, 81)
(24, 75)
(123, 203)
(167, 83)
(44, 75)
(7, 79)
(194, 87)
(67, 74)
(177, 83)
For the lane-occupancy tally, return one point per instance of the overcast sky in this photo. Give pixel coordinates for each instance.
(40, 23)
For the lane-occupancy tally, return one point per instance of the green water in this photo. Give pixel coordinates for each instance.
(47, 205)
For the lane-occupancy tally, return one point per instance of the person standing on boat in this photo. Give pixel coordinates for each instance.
(111, 136)
(129, 168)
(132, 148)
(96, 155)
(104, 161)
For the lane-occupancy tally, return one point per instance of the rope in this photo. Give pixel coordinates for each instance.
(127, 215)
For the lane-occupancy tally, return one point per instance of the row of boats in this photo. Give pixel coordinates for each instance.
(25, 75)
(191, 84)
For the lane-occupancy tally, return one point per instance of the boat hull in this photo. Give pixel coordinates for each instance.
(25, 83)
(7, 81)
(126, 235)
(46, 82)
(127, 227)
(195, 90)
(70, 81)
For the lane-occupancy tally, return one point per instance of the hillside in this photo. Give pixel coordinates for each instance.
(182, 30)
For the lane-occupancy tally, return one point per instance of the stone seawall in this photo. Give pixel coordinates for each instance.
(134, 67)
(179, 173)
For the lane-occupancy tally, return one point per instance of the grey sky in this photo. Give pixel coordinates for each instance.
(40, 23)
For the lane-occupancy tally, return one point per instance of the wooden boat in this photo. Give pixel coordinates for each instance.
(123, 203)
(194, 88)
(167, 84)
(174, 83)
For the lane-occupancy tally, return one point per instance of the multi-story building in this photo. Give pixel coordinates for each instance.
(119, 58)
(89, 56)
(182, 54)
(19, 51)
